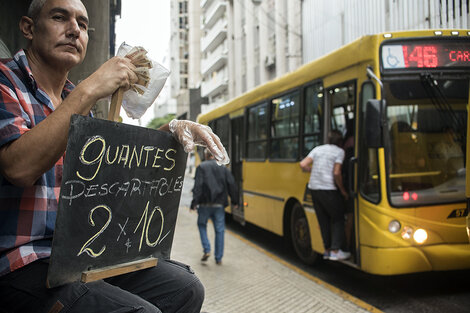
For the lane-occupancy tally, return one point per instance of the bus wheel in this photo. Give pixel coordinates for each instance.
(300, 235)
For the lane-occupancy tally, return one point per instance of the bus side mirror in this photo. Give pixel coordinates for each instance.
(373, 123)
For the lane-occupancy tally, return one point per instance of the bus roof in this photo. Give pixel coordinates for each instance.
(363, 49)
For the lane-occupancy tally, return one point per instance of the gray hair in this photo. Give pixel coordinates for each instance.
(35, 9)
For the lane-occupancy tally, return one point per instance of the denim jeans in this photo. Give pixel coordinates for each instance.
(168, 287)
(217, 215)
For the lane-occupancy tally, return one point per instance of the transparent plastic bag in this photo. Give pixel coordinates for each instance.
(139, 98)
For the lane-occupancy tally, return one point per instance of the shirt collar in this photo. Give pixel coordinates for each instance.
(22, 61)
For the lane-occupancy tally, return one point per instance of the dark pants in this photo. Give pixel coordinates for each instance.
(168, 287)
(329, 207)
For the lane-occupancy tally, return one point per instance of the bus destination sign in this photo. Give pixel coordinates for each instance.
(425, 54)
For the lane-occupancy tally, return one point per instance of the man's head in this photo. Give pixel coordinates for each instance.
(35, 9)
(207, 154)
(57, 31)
(335, 138)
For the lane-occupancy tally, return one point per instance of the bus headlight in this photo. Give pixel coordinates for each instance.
(420, 235)
(407, 232)
(394, 226)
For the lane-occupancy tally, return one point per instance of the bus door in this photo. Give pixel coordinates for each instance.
(341, 104)
(236, 164)
(467, 167)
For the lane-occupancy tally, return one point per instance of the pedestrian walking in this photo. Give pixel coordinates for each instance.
(212, 184)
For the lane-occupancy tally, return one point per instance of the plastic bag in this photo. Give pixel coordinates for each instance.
(139, 98)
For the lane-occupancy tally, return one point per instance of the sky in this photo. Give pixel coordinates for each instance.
(145, 23)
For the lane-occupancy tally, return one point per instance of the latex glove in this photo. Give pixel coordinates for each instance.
(189, 134)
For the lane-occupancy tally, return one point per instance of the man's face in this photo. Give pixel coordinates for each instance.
(60, 34)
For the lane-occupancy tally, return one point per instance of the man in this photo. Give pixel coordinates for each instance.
(36, 103)
(325, 162)
(212, 184)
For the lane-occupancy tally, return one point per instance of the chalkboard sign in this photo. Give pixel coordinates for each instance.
(119, 197)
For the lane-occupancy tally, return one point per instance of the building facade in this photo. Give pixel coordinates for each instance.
(333, 23)
(214, 45)
(179, 56)
(236, 45)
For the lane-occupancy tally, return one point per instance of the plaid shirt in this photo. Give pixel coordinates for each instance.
(27, 215)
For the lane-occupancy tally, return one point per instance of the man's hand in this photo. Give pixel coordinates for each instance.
(117, 72)
(189, 134)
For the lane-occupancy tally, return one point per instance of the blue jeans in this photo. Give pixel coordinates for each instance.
(217, 215)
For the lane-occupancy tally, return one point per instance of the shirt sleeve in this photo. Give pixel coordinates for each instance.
(340, 156)
(311, 153)
(14, 121)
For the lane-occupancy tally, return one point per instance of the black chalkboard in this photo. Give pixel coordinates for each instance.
(119, 197)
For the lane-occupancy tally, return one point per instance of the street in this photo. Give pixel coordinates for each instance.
(430, 292)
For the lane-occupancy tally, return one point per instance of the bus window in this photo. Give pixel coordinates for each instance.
(341, 100)
(368, 161)
(257, 134)
(221, 128)
(285, 127)
(313, 116)
(427, 131)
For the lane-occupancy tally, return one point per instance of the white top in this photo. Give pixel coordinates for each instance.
(324, 158)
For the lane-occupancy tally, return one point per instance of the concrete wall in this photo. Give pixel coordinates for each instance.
(10, 14)
(98, 47)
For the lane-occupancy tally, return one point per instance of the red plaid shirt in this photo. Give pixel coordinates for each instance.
(27, 215)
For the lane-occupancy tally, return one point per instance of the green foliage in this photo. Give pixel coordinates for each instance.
(157, 122)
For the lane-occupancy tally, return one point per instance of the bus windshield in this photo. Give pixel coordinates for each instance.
(427, 140)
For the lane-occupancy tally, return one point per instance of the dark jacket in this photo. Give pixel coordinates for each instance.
(212, 184)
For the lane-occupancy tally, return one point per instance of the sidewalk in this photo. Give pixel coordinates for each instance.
(249, 279)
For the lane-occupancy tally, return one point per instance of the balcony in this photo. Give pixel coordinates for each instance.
(214, 14)
(205, 3)
(215, 85)
(214, 61)
(215, 36)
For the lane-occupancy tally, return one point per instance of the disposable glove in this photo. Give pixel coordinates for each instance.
(189, 134)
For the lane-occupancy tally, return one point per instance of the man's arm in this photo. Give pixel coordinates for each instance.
(306, 164)
(197, 189)
(24, 160)
(339, 179)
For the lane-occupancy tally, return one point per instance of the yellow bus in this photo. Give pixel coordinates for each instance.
(404, 97)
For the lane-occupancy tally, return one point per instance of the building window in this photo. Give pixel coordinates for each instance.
(183, 5)
(184, 83)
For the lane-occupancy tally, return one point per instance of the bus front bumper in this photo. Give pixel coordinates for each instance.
(394, 261)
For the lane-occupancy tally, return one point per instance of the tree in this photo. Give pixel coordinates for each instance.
(157, 122)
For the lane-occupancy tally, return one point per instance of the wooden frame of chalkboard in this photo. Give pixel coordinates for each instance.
(119, 198)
